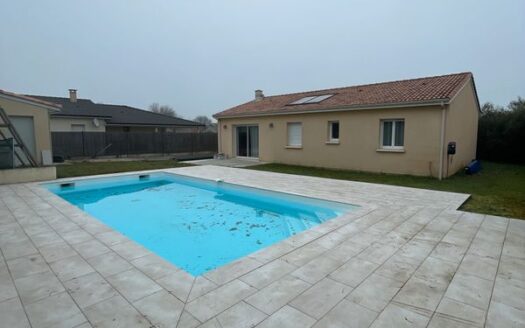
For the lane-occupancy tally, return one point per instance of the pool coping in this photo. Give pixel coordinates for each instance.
(390, 219)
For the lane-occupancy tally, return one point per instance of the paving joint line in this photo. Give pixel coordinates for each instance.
(62, 283)
(497, 269)
(458, 266)
(423, 261)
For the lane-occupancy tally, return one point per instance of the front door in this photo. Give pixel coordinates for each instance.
(247, 141)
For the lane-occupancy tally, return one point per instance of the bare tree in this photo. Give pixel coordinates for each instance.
(163, 109)
(210, 126)
(203, 120)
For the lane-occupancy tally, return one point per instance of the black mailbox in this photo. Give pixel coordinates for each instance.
(451, 150)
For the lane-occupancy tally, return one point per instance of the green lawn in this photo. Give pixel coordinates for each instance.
(92, 168)
(499, 189)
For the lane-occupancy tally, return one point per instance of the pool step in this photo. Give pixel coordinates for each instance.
(295, 225)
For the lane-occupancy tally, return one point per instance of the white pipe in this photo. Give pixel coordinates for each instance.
(442, 146)
(219, 141)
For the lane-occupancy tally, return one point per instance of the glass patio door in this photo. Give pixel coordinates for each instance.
(247, 141)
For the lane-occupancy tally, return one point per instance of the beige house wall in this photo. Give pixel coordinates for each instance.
(189, 129)
(131, 129)
(359, 146)
(63, 124)
(152, 129)
(462, 127)
(428, 130)
(40, 117)
(20, 175)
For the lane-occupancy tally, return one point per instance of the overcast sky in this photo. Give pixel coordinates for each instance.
(201, 57)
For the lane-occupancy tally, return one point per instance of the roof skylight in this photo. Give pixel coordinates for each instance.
(311, 100)
(302, 100)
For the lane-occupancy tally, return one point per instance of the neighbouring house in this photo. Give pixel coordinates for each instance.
(425, 126)
(85, 115)
(211, 128)
(30, 118)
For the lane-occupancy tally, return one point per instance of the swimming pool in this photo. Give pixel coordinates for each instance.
(196, 224)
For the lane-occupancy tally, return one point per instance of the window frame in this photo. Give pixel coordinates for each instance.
(392, 145)
(332, 140)
(288, 145)
(311, 99)
(76, 127)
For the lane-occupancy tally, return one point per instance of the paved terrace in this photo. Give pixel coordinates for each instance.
(407, 258)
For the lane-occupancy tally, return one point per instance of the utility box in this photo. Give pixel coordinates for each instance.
(451, 149)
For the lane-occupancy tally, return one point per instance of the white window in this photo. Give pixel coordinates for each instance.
(295, 134)
(333, 131)
(392, 134)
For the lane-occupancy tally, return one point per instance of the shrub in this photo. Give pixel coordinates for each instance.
(501, 132)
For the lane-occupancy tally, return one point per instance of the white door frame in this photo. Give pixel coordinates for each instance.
(235, 136)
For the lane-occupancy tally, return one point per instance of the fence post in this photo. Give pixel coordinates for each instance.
(163, 142)
(192, 143)
(83, 145)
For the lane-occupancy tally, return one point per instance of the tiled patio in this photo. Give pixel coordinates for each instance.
(229, 162)
(407, 258)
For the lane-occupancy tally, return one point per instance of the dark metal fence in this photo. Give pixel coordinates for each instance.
(91, 144)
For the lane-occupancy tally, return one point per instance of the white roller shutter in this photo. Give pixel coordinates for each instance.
(295, 134)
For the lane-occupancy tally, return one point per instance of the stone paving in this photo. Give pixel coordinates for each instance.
(406, 258)
(229, 162)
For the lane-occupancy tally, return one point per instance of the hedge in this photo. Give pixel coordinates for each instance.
(501, 133)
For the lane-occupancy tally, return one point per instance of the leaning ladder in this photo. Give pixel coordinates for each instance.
(18, 142)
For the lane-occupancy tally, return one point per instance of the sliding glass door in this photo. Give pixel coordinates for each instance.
(247, 140)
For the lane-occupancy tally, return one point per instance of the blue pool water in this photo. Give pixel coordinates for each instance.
(196, 224)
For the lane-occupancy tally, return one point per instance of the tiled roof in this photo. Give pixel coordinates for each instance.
(30, 99)
(421, 90)
(114, 114)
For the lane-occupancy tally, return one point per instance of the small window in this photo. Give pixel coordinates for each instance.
(311, 99)
(295, 134)
(393, 134)
(318, 99)
(302, 100)
(333, 131)
(78, 127)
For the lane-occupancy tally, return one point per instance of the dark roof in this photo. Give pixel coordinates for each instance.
(422, 90)
(114, 114)
(41, 102)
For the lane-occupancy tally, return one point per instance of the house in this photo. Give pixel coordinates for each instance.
(425, 126)
(30, 118)
(85, 115)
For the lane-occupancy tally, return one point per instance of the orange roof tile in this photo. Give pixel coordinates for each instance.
(421, 90)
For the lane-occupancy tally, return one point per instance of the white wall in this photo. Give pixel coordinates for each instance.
(59, 124)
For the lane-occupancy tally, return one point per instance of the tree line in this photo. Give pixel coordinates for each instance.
(501, 132)
(169, 111)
